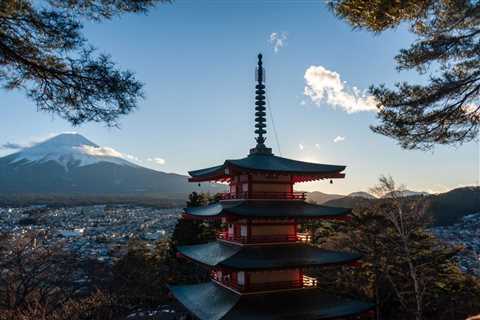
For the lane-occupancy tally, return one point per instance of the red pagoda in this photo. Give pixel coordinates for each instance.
(258, 261)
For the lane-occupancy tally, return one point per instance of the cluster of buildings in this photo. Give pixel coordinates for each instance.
(467, 234)
(99, 232)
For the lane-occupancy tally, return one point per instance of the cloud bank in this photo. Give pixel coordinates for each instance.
(100, 151)
(12, 146)
(338, 139)
(323, 85)
(157, 160)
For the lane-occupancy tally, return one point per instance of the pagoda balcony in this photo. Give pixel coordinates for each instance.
(299, 237)
(264, 195)
(304, 282)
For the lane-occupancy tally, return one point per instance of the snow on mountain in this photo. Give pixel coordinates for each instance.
(69, 150)
(362, 194)
(406, 193)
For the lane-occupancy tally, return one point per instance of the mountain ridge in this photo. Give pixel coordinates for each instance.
(444, 208)
(72, 164)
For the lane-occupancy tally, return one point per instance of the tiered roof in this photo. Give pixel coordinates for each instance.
(278, 209)
(210, 301)
(269, 163)
(269, 257)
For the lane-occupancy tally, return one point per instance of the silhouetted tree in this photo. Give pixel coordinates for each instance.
(189, 231)
(445, 110)
(43, 53)
(409, 273)
(140, 277)
(39, 281)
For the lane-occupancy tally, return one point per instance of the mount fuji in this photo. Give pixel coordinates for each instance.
(69, 163)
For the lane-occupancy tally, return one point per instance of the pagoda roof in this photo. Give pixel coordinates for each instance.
(282, 256)
(269, 163)
(209, 301)
(266, 209)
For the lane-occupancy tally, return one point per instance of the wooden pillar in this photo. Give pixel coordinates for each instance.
(249, 185)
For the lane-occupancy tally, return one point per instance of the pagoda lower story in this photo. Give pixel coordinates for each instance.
(260, 261)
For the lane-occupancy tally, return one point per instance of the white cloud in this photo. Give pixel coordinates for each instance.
(325, 85)
(33, 141)
(339, 139)
(13, 146)
(317, 146)
(301, 146)
(100, 151)
(303, 102)
(131, 157)
(106, 152)
(278, 40)
(157, 160)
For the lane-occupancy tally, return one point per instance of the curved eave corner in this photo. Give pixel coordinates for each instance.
(207, 174)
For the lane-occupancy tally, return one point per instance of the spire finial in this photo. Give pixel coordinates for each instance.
(260, 120)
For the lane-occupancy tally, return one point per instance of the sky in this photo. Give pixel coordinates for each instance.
(197, 61)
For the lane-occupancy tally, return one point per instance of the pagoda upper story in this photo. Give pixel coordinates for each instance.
(262, 175)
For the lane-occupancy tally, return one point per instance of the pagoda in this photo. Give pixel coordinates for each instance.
(258, 262)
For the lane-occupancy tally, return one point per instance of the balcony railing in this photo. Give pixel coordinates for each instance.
(299, 237)
(304, 237)
(265, 195)
(305, 282)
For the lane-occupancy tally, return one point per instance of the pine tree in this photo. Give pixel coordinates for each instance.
(43, 53)
(445, 110)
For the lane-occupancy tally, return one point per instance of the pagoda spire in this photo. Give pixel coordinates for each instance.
(260, 120)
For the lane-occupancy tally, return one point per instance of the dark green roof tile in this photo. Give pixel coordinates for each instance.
(269, 163)
(281, 256)
(209, 301)
(267, 209)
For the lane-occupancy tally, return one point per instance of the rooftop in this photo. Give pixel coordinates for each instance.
(266, 209)
(209, 301)
(269, 163)
(264, 257)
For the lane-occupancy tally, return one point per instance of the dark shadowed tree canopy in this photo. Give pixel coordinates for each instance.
(446, 109)
(43, 53)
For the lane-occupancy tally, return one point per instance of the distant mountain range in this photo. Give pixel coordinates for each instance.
(320, 197)
(444, 208)
(72, 164)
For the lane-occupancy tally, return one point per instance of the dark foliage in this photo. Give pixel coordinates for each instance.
(445, 110)
(39, 281)
(188, 231)
(139, 278)
(408, 272)
(43, 53)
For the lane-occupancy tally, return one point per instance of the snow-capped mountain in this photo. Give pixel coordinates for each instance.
(71, 164)
(69, 150)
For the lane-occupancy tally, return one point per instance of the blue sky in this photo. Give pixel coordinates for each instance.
(197, 61)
